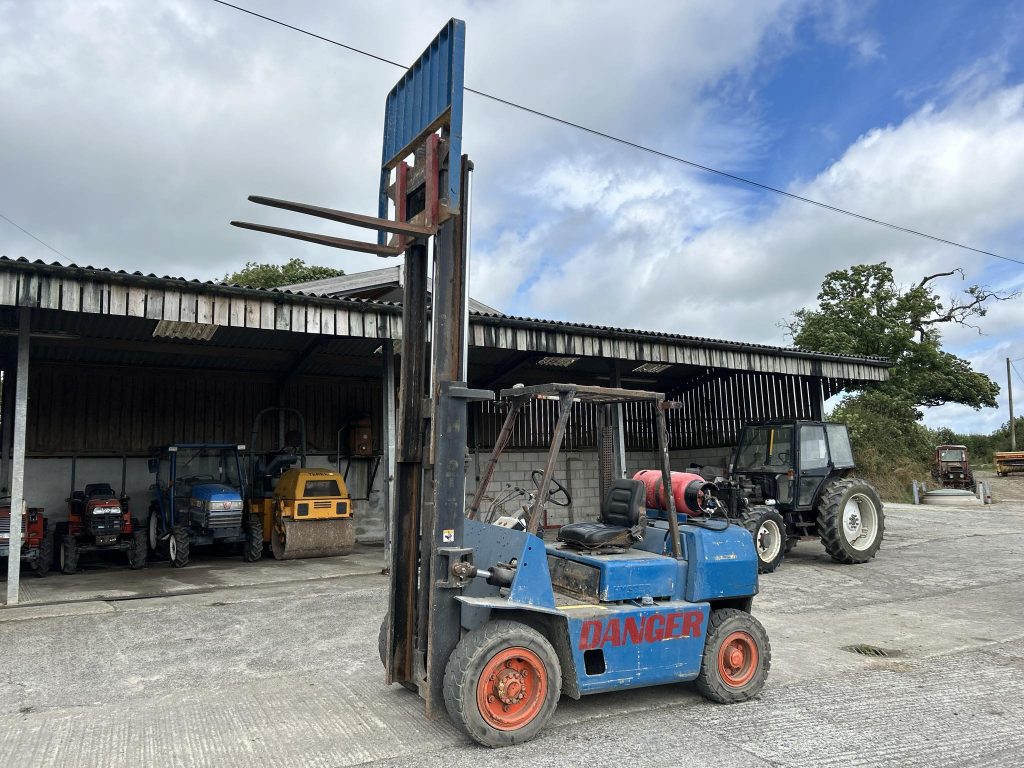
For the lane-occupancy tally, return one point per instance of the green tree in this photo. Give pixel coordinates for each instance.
(862, 311)
(256, 275)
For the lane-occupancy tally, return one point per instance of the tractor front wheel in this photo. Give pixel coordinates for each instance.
(502, 683)
(252, 549)
(851, 523)
(68, 554)
(769, 531)
(138, 547)
(737, 657)
(44, 556)
(178, 546)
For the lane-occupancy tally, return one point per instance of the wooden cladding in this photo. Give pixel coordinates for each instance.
(107, 411)
(710, 416)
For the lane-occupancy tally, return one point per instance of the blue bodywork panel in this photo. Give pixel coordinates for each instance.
(428, 96)
(619, 637)
(632, 575)
(215, 492)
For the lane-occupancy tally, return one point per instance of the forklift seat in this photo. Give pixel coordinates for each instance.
(623, 520)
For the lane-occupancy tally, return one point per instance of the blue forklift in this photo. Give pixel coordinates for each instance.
(197, 501)
(635, 597)
(487, 623)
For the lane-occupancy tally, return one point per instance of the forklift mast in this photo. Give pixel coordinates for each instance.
(419, 202)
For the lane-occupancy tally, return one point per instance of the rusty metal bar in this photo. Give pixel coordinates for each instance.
(409, 471)
(355, 219)
(666, 481)
(333, 242)
(564, 409)
(492, 462)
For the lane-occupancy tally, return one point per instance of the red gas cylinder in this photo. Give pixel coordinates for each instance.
(689, 491)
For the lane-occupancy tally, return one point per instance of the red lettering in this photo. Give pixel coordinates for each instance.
(672, 625)
(654, 628)
(611, 633)
(590, 635)
(691, 623)
(632, 630)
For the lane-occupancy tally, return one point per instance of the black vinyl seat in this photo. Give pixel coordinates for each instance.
(623, 520)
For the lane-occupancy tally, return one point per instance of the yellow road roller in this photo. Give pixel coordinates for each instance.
(305, 512)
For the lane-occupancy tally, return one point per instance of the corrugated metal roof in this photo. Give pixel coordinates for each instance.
(477, 318)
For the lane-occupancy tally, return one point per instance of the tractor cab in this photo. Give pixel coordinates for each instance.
(197, 500)
(951, 467)
(788, 462)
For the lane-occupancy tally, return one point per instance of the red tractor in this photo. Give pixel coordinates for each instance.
(36, 537)
(99, 521)
(951, 467)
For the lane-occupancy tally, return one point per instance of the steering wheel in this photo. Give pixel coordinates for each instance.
(191, 479)
(560, 490)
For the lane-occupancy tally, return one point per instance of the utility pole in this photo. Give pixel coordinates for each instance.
(1009, 394)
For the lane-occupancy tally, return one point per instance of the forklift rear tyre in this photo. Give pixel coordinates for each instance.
(737, 657)
(138, 547)
(68, 554)
(44, 557)
(502, 683)
(769, 531)
(177, 547)
(252, 549)
(851, 523)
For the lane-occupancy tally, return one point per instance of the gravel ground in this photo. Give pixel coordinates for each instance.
(276, 671)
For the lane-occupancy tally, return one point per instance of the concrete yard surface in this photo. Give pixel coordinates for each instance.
(282, 671)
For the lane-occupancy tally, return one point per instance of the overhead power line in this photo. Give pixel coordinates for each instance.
(18, 226)
(637, 146)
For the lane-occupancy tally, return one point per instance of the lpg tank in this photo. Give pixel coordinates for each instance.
(689, 491)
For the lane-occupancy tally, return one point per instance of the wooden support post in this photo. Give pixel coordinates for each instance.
(618, 424)
(18, 505)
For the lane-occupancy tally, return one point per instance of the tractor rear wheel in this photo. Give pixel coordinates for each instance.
(178, 546)
(44, 557)
(502, 683)
(851, 522)
(769, 531)
(68, 554)
(252, 548)
(737, 657)
(138, 547)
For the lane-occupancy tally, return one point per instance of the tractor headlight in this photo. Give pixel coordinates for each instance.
(232, 505)
(106, 510)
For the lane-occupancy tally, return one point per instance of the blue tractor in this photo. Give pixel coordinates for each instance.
(197, 501)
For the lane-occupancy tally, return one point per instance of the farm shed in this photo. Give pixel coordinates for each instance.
(101, 366)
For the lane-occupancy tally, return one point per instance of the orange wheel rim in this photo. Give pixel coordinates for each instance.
(737, 659)
(511, 690)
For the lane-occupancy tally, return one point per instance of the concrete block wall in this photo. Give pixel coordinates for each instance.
(579, 471)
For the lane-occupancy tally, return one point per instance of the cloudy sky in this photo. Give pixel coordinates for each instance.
(132, 132)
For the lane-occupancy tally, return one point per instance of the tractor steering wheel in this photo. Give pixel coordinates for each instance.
(560, 490)
(191, 479)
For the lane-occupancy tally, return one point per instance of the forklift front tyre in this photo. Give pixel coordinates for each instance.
(138, 547)
(252, 549)
(502, 683)
(177, 547)
(769, 531)
(737, 657)
(68, 554)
